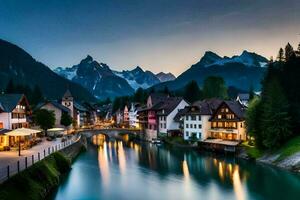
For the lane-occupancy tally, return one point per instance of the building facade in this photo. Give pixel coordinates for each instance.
(166, 115)
(228, 122)
(196, 119)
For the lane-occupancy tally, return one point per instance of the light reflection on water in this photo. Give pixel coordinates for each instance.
(130, 170)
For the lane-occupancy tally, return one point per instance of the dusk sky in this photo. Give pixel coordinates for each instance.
(158, 35)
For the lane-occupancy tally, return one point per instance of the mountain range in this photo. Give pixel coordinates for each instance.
(17, 65)
(90, 79)
(103, 82)
(242, 71)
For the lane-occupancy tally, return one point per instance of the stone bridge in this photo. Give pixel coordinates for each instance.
(114, 132)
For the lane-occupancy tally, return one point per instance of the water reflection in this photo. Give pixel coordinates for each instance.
(103, 163)
(121, 157)
(123, 169)
(237, 185)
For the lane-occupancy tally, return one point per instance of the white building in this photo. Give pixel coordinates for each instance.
(133, 118)
(196, 124)
(166, 114)
(57, 108)
(14, 109)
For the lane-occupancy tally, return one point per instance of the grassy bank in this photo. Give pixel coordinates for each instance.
(178, 142)
(252, 151)
(38, 180)
(288, 149)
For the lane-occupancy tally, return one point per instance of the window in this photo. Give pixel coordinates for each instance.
(226, 110)
(1, 125)
(165, 126)
(214, 124)
(220, 124)
(241, 124)
(200, 135)
(193, 117)
(187, 134)
(187, 117)
(161, 125)
(199, 126)
(219, 116)
(195, 125)
(191, 125)
(187, 126)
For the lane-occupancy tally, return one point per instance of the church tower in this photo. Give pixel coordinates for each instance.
(68, 101)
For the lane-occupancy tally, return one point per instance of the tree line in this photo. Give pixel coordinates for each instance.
(274, 117)
(33, 94)
(213, 87)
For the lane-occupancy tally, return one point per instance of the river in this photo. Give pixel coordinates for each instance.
(141, 171)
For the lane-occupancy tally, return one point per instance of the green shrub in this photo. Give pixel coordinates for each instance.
(36, 181)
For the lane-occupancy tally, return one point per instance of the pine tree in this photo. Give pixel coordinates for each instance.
(253, 122)
(280, 56)
(192, 92)
(289, 52)
(214, 86)
(298, 51)
(276, 119)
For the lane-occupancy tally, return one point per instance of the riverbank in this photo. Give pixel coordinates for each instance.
(179, 142)
(40, 179)
(286, 157)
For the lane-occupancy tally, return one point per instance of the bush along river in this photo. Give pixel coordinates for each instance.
(129, 170)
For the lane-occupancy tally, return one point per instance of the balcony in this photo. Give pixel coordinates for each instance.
(224, 130)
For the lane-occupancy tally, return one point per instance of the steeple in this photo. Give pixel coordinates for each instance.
(67, 95)
(67, 101)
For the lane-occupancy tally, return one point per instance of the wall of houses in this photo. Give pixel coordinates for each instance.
(242, 130)
(166, 123)
(5, 119)
(192, 126)
(150, 134)
(56, 111)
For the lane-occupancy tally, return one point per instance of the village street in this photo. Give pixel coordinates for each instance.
(11, 158)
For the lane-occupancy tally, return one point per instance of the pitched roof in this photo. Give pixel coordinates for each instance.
(168, 105)
(237, 108)
(157, 97)
(67, 94)
(55, 104)
(207, 106)
(181, 113)
(243, 96)
(79, 107)
(8, 102)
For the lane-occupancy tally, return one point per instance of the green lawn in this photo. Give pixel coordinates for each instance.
(252, 151)
(177, 139)
(289, 148)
